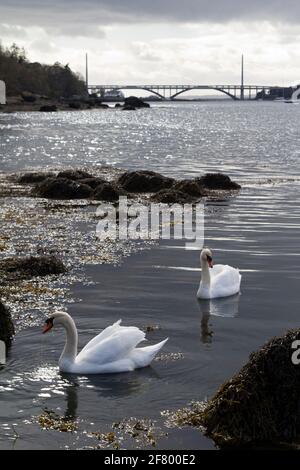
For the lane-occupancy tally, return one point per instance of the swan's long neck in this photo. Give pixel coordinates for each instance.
(70, 350)
(205, 276)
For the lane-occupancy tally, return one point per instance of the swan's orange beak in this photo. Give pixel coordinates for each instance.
(48, 325)
(210, 262)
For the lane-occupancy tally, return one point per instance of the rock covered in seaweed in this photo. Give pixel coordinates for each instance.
(262, 402)
(189, 187)
(144, 181)
(106, 192)
(217, 181)
(172, 196)
(34, 177)
(74, 175)
(7, 329)
(62, 188)
(17, 268)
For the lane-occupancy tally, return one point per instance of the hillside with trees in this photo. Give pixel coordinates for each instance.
(21, 75)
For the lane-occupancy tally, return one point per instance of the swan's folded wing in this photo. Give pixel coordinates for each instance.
(110, 330)
(226, 281)
(112, 348)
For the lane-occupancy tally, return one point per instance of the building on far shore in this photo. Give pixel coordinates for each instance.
(2, 92)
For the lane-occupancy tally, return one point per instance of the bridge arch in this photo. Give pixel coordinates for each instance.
(128, 87)
(221, 90)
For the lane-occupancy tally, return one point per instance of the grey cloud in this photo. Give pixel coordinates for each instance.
(79, 12)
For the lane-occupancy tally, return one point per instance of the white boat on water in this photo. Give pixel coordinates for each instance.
(114, 95)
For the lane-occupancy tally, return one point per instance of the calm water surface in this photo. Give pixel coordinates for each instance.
(258, 231)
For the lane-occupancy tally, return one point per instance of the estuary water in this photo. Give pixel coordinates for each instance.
(257, 144)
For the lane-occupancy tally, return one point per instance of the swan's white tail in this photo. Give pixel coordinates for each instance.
(143, 356)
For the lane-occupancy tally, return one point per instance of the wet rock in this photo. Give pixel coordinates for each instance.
(135, 102)
(34, 177)
(62, 188)
(93, 182)
(48, 108)
(217, 181)
(75, 105)
(190, 187)
(107, 192)
(16, 268)
(74, 174)
(262, 402)
(28, 97)
(128, 107)
(7, 329)
(144, 181)
(172, 196)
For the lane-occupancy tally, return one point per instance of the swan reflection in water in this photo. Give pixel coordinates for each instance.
(222, 307)
(105, 386)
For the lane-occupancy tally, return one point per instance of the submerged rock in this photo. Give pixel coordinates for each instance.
(106, 192)
(135, 102)
(15, 268)
(144, 181)
(7, 329)
(262, 402)
(217, 181)
(34, 177)
(63, 188)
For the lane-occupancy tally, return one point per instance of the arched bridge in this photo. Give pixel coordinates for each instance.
(170, 92)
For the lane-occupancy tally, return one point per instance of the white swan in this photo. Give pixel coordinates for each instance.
(217, 281)
(112, 350)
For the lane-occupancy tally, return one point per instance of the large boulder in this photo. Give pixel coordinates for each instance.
(144, 181)
(135, 102)
(262, 402)
(34, 177)
(62, 188)
(16, 268)
(74, 174)
(106, 192)
(7, 329)
(217, 181)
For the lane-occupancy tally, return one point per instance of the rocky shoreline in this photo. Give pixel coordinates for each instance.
(33, 103)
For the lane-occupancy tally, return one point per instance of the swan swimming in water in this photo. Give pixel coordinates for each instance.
(218, 280)
(111, 351)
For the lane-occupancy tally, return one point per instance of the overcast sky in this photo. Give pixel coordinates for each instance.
(161, 41)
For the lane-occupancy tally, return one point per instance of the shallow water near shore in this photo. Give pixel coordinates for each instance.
(257, 230)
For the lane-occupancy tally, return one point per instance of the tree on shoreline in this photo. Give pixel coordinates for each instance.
(21, 76)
